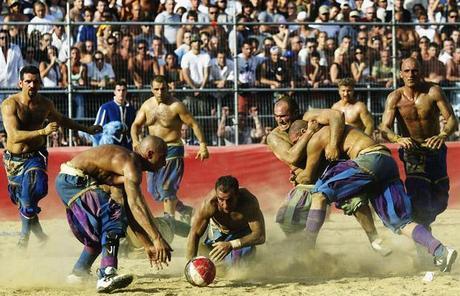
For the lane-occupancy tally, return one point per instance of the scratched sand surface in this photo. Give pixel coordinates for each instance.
(346, 266)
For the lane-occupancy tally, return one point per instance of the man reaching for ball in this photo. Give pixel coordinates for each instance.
(236, 223)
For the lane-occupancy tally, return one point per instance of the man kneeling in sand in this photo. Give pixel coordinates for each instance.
(98, 216)
(234, 221)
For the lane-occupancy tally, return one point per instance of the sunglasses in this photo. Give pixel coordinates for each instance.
(2, 37)
(98, 59)
(358, 52)
(141, 48)
(110, 43)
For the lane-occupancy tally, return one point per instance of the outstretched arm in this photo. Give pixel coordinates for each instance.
(66, 122)
(200, 222)
(336, 120)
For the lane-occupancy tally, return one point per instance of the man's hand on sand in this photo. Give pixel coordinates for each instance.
(220, 250)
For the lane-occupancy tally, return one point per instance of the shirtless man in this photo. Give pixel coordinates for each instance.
(286, 111)
(417, 106)
(164, 115)
(371, 171)
(236, 223)
(25, 158)
(355, 112)
(98, 218)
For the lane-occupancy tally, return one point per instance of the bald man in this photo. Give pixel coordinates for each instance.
(417, 106)
(97, 214)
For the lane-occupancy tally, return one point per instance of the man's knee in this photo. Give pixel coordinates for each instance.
(29, 211)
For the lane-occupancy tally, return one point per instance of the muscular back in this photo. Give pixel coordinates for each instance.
(26, 118)
(417, 118)
(108, 163)
(163, 119)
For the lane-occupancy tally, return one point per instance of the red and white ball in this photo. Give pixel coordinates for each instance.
(200, 271)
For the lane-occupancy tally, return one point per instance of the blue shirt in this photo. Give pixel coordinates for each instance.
(112, 111)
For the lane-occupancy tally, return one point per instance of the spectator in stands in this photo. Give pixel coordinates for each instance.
(101, 74)
(222, 76)
(15, 15)
(323, 17)
(423, 45)
(142, 66)
(452, 17)
(87, 32)
(350, 30)
(59, 39)
(405, 36)
(270, 14)
(173, 73)
(433, 69)
(119, 109)
(158, 52)
(340, 68)
(52, 73)
(55, 10)
(275, 72)
(453, 76)
(447, 50)
(195, 69)
(187, 137)
(29, 57)
(40, 21)
(399, 6)
(87, 52)
(215, 45)
(78, 79)
(76, 12)
(373, 51)
(382, 70)
(45, 41)
(226, 129)
(189, 26)
(316, 75)
(168, 32)
(360, 68)
(381, 13)
(204, 37)
(242, 33)
(427, 30)
(213, 29)
(101, 6)
(11, 62)
(329, 50)
(184, 47)
(303, 30)
(281, 37)
(201, 17)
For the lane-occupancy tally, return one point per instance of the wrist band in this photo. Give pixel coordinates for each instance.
(236, 243)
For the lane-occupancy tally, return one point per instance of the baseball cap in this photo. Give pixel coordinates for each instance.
(344, 5)
(354, 13)
(324, 9)
(275, 49)
(301, 16)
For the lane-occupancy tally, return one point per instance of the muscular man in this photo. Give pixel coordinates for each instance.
(370, 171)
(164, 115)
(355, 112)
(236, 223)
(25, 158)
(286, 111)
(98, 218)
(417, 106)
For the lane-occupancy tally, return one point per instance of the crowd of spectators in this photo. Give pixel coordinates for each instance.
(195, 51)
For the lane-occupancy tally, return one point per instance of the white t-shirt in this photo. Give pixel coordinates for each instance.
(196, 65)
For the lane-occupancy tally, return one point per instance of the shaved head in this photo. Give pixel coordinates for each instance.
(410, 61)
(152, 143)
(296, 129)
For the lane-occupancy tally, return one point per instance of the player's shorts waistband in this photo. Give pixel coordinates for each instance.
(377, 148)
(68, 169)
(24, 155)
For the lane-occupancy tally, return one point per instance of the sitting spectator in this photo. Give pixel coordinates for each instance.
(359, 67)
(274, 71)
(187, 137)
(447, 50)
(423, 45)
(452, 18)
(45, 41)
(11, 62)
(79, 79)
(340, 68)
(270, 15)
(41, 20)
(315, 74)
(221, 74)
(87, 52)
(55, 11)
(281, 37)
(142, 66)
(382, 70)
(158, 53)
(101, 74)
(188, 26)
(76, 12)
(173, 73)
(433, 69)
(405, 36)
(87, 32)
(426, 30)
(453, 76)
(59, 39)
(168, 32)
(52, 73)
(184, 47)
(323, 17)
(29, 57)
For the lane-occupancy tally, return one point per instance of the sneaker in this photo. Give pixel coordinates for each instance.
(185, 215)
(447, 259)
(109, 280)
(77, 278)
(377, 246)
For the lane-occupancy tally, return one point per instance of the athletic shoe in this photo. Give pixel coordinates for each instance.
(109, 280)
(447, 259)
(185, 215)
(77, 278)
(380, 248)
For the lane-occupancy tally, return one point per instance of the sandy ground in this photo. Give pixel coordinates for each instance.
(345, 265)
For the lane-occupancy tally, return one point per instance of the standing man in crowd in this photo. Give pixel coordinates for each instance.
(25, 157)
(355, 112)
(120, 112)
(236, 223)
(417, 106)
(97, 216)
(164, 115)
